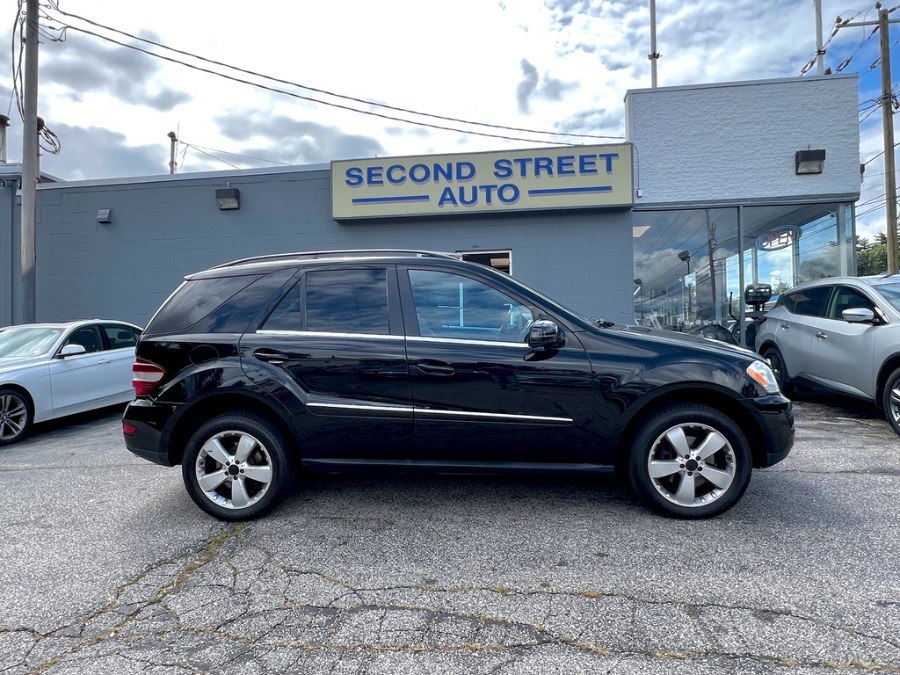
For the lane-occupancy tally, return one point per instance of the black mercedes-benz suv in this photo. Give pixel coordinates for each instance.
(412, 360)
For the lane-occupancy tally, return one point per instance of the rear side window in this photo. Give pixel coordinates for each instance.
(810, 302)
(196, 299)
(335, 301)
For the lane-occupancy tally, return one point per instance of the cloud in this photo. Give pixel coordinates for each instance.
(79, 66)
(299, 142)
(88, 152)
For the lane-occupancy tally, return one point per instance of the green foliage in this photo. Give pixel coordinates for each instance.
(871, 258)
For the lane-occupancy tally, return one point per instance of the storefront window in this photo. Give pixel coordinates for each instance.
(690, 265)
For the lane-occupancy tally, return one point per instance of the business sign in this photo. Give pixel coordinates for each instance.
(778, 238)
(518, 180)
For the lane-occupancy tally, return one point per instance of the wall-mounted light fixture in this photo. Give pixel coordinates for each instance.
(104, 216)
(809, 161)
(228, 199)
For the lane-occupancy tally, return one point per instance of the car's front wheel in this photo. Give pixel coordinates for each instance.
(891, 396)
(690, 461)
(235, 466)
(776, 363)
(15, 416)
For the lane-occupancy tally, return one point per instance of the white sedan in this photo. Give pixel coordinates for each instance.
(49, 370)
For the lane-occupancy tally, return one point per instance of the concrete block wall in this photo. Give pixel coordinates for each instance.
(165, 227)
(735, 142)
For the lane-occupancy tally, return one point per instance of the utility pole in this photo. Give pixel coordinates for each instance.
(173, 139)
(653, 55)
(887, 119)
(29, 166)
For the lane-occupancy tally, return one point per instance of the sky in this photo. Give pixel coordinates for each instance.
(358, 78)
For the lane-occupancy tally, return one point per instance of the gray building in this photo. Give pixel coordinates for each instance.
(703, 197)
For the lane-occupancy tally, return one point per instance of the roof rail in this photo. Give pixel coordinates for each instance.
(312, 255)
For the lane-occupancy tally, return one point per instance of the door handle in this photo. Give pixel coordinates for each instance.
(270, 356)
(785, 326)
(821, 335)
(105, 361)
(436, 368)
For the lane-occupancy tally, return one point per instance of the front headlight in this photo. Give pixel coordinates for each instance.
(760, 373)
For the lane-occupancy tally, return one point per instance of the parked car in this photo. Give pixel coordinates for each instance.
(417, 361)
(49, 370)
(840, 334)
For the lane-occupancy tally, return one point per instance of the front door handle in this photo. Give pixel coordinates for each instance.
(270, 356)
(436, 368)
(822, 335)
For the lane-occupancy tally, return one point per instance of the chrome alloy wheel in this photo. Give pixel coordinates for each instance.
(234, 469)
(691, 464)
(894, 404)
(13, 417)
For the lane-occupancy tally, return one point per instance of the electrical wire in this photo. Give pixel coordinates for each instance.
(55, 5)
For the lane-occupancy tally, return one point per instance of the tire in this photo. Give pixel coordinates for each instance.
(891, 398)
(16, 416)
(220, 459)
(776, 363)
(679, 484)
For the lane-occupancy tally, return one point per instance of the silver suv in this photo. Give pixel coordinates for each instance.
(841, 334)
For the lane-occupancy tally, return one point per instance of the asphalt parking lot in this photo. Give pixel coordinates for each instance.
(108, 567)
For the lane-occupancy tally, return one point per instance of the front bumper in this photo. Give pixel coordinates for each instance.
(777, 416)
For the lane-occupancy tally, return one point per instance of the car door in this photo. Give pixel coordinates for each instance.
(843, 351)
(334, 342)
(120, 340)
(481, 394)
(82, 381)
(795, 330)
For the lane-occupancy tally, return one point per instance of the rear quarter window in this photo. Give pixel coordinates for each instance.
(217, 304)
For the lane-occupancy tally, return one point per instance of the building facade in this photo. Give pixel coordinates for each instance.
(703, 197)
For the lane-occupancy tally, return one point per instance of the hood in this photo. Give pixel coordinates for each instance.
(8, 365)
(675, 337)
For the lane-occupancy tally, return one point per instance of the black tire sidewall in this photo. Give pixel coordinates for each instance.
(651, 429)
(888, 385)
(29, 415)
(783, 379)
(267, 434)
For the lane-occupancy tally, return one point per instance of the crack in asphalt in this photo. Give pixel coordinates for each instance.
(333, 626)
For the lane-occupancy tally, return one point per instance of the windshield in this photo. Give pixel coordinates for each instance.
(23, 341)
(891, 293)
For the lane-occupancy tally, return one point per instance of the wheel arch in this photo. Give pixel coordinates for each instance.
(19, 389)
(223, 403)
(712, 398)
(889, 366)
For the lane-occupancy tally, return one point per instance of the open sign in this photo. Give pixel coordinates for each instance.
(778, 238)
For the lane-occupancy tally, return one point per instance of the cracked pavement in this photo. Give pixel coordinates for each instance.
(107, 567)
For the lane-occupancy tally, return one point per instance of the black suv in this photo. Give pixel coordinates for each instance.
(411, 360)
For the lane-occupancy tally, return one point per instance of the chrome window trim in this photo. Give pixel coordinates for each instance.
(464, 341)
(323, 334)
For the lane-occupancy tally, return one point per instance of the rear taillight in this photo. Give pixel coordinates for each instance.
(147, 377)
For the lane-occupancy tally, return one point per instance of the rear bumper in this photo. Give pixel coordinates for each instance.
(143, 423)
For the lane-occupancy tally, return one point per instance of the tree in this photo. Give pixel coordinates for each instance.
(871, 258)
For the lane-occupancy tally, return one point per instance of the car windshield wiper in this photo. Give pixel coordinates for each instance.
(603, 323)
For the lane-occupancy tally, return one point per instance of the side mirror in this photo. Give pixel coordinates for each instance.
(72, 350)
(545, 334)
(858, 315)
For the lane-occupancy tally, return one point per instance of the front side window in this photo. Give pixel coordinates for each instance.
(86, 336)
(335, 301)
(811, 301)
(847, 298)
(453, 306)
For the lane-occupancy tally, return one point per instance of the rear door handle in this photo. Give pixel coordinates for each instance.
(821, 335)
(436, 368)
(270, 356)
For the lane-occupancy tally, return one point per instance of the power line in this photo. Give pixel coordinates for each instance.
(54, 5)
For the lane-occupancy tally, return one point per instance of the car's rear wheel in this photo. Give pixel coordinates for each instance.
(690, 461)
(891, 398)
(236, 466)
(16, 416)
(776, 363)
